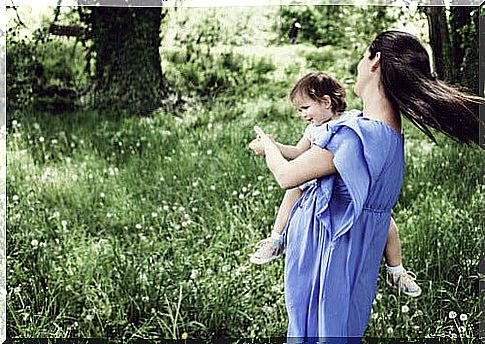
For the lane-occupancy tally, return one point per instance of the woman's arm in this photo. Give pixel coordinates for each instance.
(314, 163)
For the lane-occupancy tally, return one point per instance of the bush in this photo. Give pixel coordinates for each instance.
(44, 72)
(197, 71)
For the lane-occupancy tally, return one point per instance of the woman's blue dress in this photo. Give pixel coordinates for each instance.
(337, 230)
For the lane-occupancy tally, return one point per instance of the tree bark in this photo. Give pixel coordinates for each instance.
(459, 22)
(440, 42)
(128, 75)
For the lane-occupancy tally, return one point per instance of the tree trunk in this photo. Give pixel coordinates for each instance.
(128, 69)
(470, 74)
(440, 42)
(459, 23)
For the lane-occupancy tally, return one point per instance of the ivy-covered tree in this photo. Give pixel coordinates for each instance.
(126, 41)
(454, 39)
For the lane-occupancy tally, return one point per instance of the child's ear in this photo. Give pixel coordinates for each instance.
(327, 101)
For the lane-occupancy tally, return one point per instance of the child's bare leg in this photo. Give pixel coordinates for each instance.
(392, 252)
(396, 275)
(289, 200)
(272, 248)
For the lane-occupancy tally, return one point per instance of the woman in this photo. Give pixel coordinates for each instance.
(337, 230)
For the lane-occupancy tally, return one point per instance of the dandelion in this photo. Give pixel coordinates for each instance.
(213, 188)
(375, 316)
(181, 209)
(390, 330)
(89, 317)
(379, 297)
(244, 189)
(54, 141)
(162, 179)
(138, 226)
(461, 329)
(185, 223)
(166, 207)
(174, 177)
(241, 196)
(234, 193)
(72, 145)
(452, 315)
(145, 298)
(256, 193)
(184, 336)
(41, 139)
(226, 268)
(194, 274)
(34, 243)
(15, 198)
(14, 123)
(270, 188)
(209, 152)
(17, 290)
(154, 214)
(195, 184)
(260, 178)
(102, 195)
(463, 317)
(109, 215)
(404, 309)
(63, 223)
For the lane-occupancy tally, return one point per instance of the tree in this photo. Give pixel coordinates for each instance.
(454, 40)
(126, 43)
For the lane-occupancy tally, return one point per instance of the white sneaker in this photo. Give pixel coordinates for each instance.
(404, 282)
(268, 250)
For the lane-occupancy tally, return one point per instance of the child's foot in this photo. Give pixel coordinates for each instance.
(269, 249)
(404, 282)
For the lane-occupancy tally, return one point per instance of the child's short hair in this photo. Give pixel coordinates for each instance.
(317, 85)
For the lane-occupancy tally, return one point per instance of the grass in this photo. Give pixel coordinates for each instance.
(140, 228)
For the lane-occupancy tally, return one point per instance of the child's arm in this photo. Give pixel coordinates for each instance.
(289, 152)
(292, 152)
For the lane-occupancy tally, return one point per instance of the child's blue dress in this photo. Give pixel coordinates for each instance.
(337, 230)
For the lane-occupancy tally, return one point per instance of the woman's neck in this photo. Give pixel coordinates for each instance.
(378, 107)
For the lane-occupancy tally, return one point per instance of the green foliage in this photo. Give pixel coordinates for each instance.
(44, 72)
(344, 26)
(199, 71)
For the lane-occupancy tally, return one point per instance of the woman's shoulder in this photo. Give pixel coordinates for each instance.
(357, 122)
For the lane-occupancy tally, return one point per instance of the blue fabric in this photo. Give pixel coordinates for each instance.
(336, 232)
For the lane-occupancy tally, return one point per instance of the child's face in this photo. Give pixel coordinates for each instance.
(315, 112)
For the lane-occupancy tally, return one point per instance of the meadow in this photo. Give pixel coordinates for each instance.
(128, 227)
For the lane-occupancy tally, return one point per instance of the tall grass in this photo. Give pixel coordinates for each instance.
(141, 228)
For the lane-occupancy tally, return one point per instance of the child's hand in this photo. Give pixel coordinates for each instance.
(257, 146)
(263, 137)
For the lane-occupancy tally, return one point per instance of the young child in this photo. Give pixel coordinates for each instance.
(319, 99)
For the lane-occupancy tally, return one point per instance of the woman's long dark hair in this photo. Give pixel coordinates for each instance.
(415, 93)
